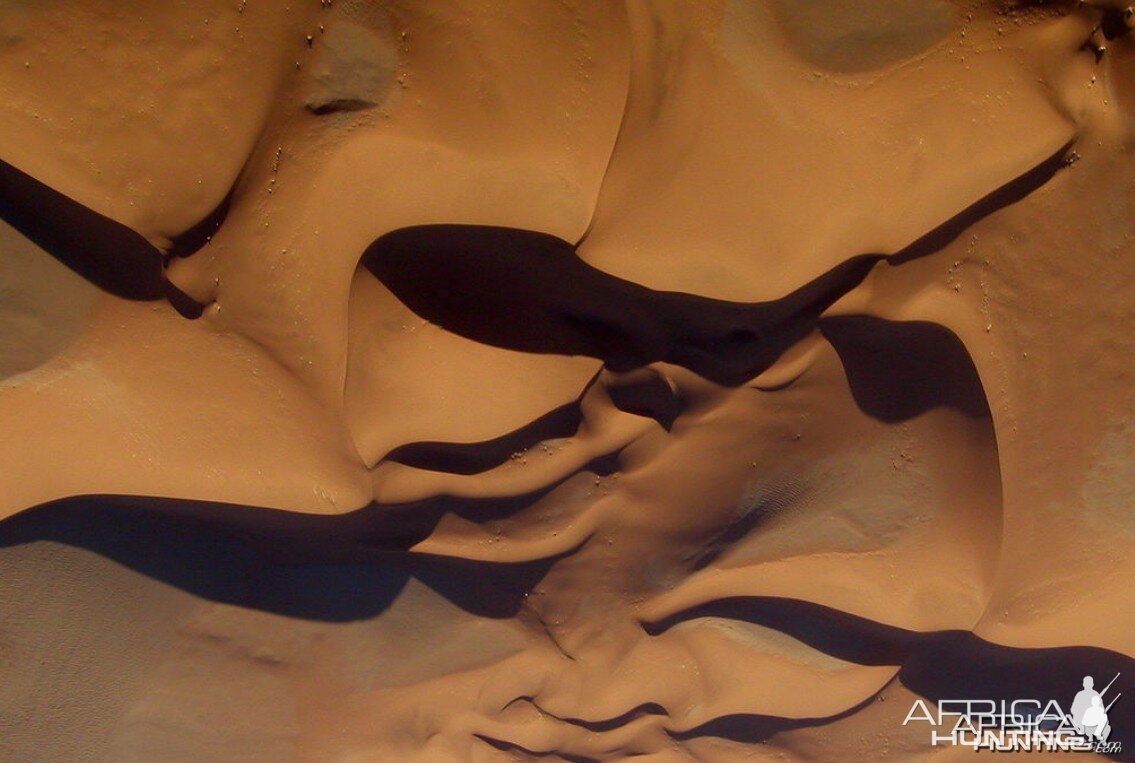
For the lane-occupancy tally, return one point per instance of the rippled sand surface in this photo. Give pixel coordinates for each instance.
(455, 380)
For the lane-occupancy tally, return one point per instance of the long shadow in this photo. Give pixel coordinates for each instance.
(334, 568)
(850, 638)
(529, 291)
(1006, 195)
(107, 253)
(648, 396)
(475, 457)
(937, 665)
(223, 567)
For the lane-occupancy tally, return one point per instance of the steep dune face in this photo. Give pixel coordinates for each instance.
(580, 381)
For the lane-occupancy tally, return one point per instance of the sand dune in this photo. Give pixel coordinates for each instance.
(580, 381)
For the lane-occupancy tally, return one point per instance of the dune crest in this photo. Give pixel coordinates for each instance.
(579, 381)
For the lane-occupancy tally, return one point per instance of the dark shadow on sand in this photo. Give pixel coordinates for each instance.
(107, 253)
(333, 568)
(937, 665)
(899, 370)
(530, 292)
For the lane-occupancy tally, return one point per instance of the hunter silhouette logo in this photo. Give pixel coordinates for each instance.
(1089, 714)
(1022, 724)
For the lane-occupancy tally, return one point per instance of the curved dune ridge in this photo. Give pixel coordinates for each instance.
(579, 381)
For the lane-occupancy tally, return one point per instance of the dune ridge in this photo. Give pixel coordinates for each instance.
(585, 381)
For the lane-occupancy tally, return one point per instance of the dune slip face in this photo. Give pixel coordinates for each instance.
(662, 380)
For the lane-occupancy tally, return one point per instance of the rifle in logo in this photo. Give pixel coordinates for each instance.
(1089, 714)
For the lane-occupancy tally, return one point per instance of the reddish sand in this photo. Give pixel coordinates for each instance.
(689, 483)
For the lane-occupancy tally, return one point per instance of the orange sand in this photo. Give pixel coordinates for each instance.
(361, 546)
